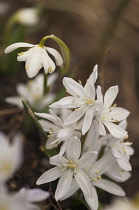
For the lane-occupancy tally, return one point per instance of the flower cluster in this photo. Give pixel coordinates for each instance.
(87, 129)
(79, 164)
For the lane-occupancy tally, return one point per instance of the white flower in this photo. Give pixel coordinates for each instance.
(111, 114)
(69, 168)
(117, 173)
(27, 16)
(94, 173)
(123, 204)
(92, 141)
(22, 200)
(58, 131)
(11, 156)
(36, 58)
(32, 92)
(120, 149)
(82, 99)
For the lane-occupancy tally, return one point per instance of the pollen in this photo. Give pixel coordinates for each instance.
(89, 102)
(21, 53)
(99, 177)
(50, 70)
(97, 172)
(95, 179)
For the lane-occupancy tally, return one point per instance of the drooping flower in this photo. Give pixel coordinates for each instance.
(58, 131)
(36, 58)
(23, 200)
(69, 168)
(32, 92)
(110, 114)
(11, 156)
(82, 100)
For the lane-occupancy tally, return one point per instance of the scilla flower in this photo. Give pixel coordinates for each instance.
(32, 92)
(37, 57)
(82, 99)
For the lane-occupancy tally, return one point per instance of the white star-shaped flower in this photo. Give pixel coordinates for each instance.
(32, 92)
(109, 114)
(69, 168)
(82, 100)
(120, 149)
(94, 172)
(58, 131)
(36, 58)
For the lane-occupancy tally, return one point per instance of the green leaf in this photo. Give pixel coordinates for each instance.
(65, 52)
(34, 119)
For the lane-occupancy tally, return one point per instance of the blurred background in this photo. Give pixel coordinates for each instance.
(100, 32)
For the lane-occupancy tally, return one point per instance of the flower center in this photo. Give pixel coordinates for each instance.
(71, 164)
(89, 101)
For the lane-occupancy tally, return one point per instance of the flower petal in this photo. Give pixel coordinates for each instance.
(90, 89)
(84, 183)
(15, 101)
(66, 102)
(49, 176)
(23, 56)
(73, 149)
(49, 142)
(110, 96)
(64, 184)
(102, 130)
(115, 153)
(116, 130)
(56, 54)
(88, 120)
(73, 188)
(45, 61)
(92, 202)
(74, 116)
(124, 163)
(33, 64)
(36, 195)
(73, 87)
(99, 93)
(48, 126)
(58, 160)
(118, 113)
(109, 187)
(87, 159)
(14, 46)
(92, 136)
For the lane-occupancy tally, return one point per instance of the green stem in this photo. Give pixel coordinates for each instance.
(34, 119)
(43, 40)
(45, 89)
